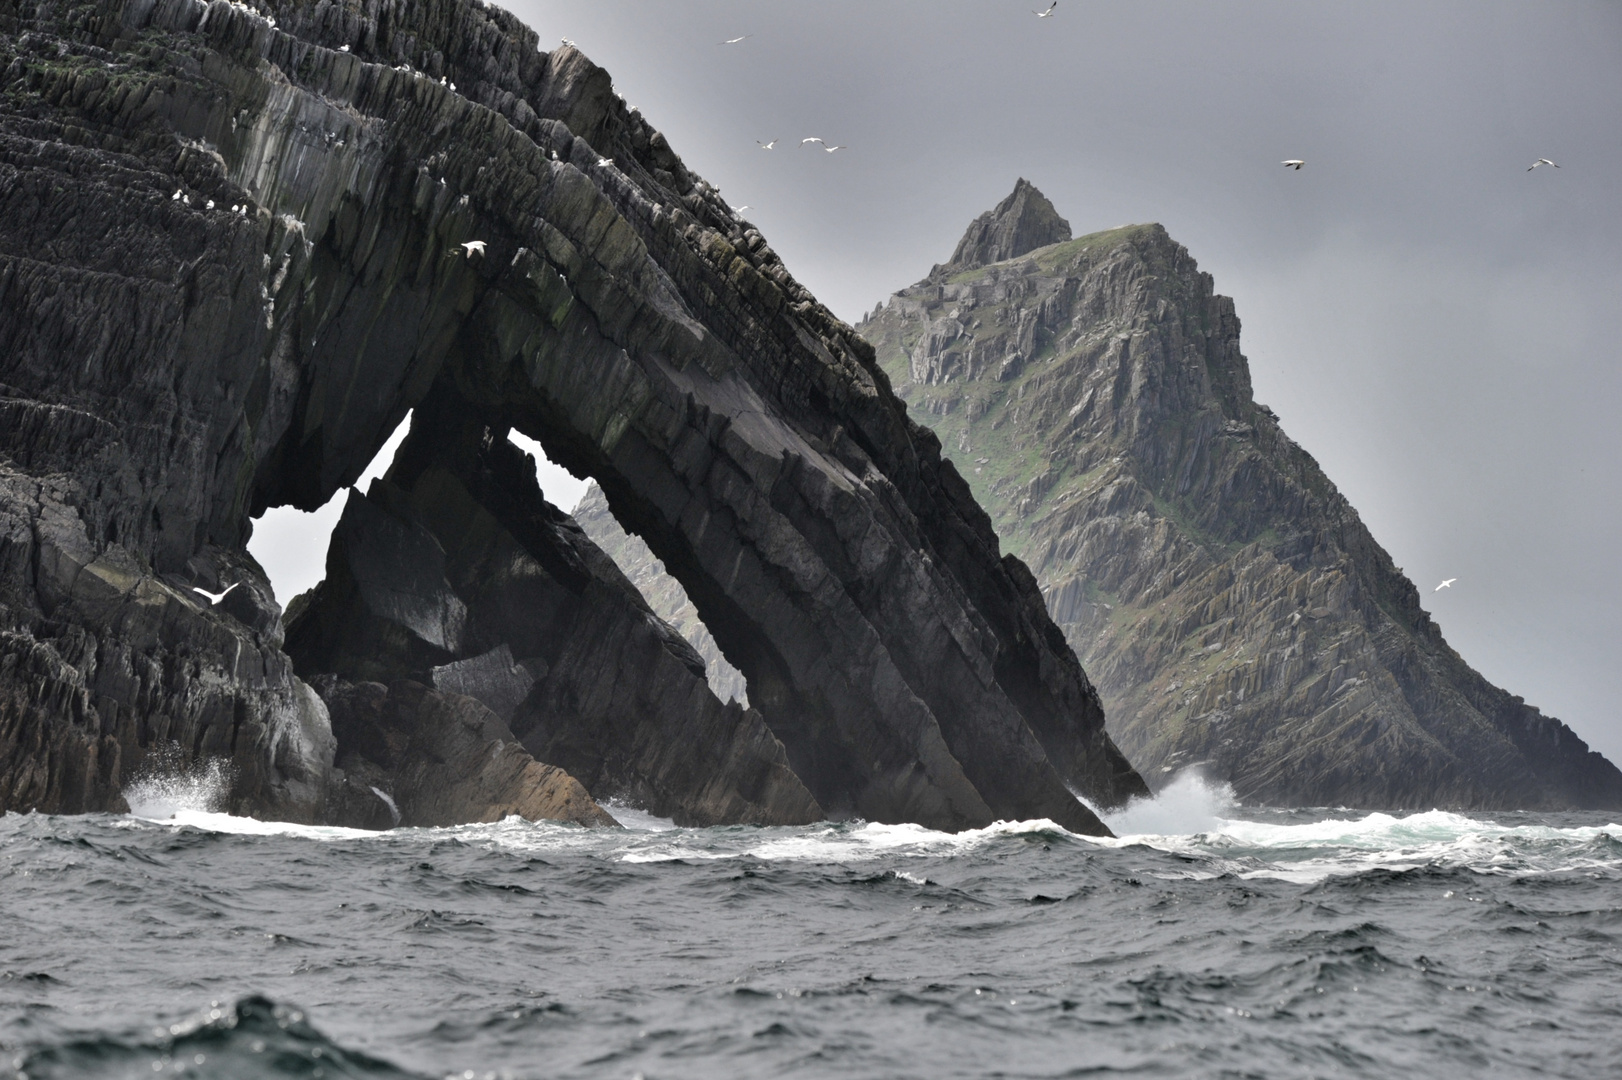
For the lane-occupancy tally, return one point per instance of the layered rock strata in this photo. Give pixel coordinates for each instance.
(238, 243)
(416, 757)
(1234, 609)
(664, 593)
(454, 569)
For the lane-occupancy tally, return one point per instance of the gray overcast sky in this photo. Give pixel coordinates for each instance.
(1437, 325)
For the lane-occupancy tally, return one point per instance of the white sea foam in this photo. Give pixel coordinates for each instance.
(1190, 817)
(1194, 817)
(1189, 804)
(166, 787)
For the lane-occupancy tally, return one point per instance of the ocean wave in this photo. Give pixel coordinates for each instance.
(255, 1038)
(1191, 817)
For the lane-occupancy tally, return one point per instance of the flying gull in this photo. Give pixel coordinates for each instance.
(1293, 163)
(214, 598)
(1445, 584)
(1540, 161)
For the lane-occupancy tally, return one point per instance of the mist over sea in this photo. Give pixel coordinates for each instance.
(1206, 941)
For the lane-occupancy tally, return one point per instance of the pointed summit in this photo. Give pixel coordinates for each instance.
(1022, 222)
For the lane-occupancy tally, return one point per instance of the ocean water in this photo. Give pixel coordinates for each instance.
(1205, 941)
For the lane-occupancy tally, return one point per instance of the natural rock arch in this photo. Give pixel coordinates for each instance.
(618, 313)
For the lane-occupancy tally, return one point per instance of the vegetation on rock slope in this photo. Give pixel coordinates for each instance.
(1226, 599)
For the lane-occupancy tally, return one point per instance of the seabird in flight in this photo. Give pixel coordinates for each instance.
(1293, 163)
(1445, 584)
(1049, 11)
(1540, 161)
(214, 598)
(734, 41)
(765, 145)
(472, 248)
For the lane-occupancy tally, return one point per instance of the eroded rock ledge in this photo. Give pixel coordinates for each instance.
(231, 259)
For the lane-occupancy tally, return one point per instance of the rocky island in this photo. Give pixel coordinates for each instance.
(1233, 608)
(240, 241)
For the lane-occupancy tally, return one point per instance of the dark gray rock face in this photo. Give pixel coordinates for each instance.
(1231, 604)
(663, 593)
(232, 257)
(557, 643)
(436, 759)
(1023, 222)
(498, 681)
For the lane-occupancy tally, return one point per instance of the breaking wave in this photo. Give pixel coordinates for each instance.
(1204, 939)
(168, 786)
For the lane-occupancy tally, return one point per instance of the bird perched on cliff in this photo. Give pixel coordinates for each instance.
(567, 42)
(765, 145)
(1293, 163)
(1540, 161)
(734, 41)
(1446, 584)
(605, 161)
(472, 248)
(1049, 11)
(214, 598)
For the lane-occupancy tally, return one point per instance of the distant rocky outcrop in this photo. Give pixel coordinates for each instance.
(664, 593)
(1234, 610)
(1023, 222)
(238, 242)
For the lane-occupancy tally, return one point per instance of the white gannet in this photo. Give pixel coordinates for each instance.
(214, 598)
(1540, 161)
(812, 139)
(1049, 11)
(734, 41)
(831, 149)
(605, 161)
(472, 248)
(569, 43)
(1445, 584)
(1293, 163)
(765, 145)
(738, 209)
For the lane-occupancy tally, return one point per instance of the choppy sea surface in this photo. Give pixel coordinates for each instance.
(1205, 941)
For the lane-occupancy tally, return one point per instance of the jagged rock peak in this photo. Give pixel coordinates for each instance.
(1023, 222)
